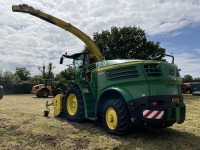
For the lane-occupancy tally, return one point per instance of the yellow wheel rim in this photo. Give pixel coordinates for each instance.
(72, 104)
(111, 118)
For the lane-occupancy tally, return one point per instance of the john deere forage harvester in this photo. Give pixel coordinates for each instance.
(117, 92)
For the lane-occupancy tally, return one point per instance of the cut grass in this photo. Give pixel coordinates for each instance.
(22, 126)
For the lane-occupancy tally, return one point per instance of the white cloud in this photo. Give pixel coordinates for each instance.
(27, 41)
(197, 50)
(188, 63)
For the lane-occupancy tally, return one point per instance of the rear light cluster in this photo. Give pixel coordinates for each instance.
(157, 103)
(132, 106)
(154, 103)
(87, 78)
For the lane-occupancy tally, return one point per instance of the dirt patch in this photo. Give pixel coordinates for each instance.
(4, 126)
(4, 121)
(49, 139)
(16, 132)
(80, 143)
(10, 146)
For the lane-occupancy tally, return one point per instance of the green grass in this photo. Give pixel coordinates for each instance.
(22, 126)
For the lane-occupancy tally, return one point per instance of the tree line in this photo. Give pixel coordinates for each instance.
(189, 78)
(21, 81)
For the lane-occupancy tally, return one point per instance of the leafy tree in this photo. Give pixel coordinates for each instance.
(22, 74)
(34, 80)
(153, 51)
(1, 72)
(16, 83)
(187, 78)
(50, 74)
(127, 43)
(63, 76)
(47, 74)
(6, 81)
(197, 79)
(68, 73)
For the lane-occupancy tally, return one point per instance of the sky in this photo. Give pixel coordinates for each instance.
(27, 41)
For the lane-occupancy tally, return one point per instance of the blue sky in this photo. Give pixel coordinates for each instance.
(27, 41)
(184, 44)
(186, 38)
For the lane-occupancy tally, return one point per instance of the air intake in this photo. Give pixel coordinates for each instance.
(122, 73)
(91, 66)
(152, 70)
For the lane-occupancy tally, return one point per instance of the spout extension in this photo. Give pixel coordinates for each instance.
(17, 8)
(22, 8)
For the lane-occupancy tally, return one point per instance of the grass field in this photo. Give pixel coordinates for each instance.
(22, 126)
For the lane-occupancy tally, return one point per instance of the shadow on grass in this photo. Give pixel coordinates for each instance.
(45, 98)
(167, 138)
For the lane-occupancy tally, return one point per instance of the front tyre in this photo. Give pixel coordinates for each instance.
(73, 105)
(57, 91)
(44, 93)
(116, 118)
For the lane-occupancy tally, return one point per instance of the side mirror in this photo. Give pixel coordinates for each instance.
(61, 60)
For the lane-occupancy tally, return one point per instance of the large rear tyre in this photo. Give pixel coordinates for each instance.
(44, 93)
(73, 105)
(57, 91)
(115, 117)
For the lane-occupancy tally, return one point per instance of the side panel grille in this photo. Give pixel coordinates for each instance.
(152, 70)
(91, 67)
(122, 73)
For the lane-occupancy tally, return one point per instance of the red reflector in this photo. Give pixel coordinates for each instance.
(132, 105)
(87, 78)
(155, 103)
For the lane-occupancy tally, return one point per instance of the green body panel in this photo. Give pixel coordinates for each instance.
(168, 83)
(132, 79)
(88, 93)
(141, 84)
(129, 87)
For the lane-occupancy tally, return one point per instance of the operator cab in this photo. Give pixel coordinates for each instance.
(80, 60)
(47, 82)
